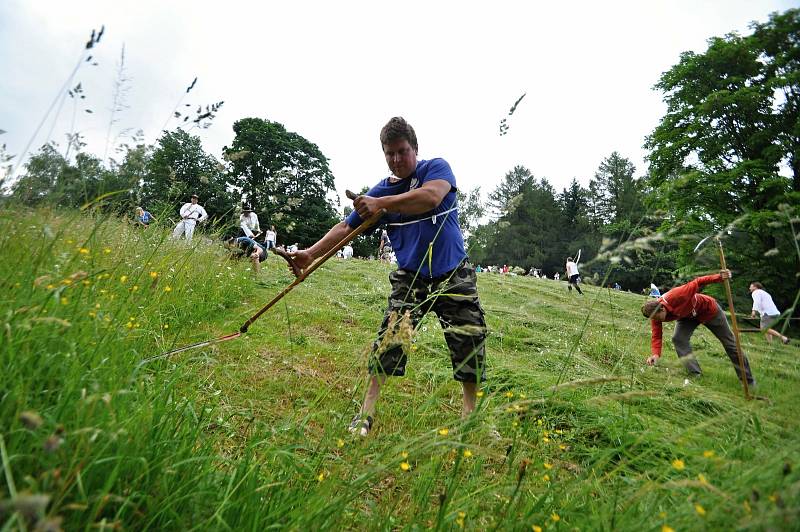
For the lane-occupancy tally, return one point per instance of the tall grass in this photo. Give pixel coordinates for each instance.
(571, 431)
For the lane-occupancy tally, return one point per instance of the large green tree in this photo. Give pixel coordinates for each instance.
(716, 157)
(285, 177)
(179, 167)
(529, 229)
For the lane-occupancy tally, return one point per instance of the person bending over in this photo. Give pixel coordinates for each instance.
(689, 308)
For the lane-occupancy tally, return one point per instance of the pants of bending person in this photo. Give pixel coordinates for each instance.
(184, 227)
(684, 328)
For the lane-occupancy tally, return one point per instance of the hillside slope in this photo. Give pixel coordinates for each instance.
(572, 429)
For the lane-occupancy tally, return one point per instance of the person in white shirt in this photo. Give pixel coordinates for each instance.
(347, 251)
(248, 221)
(191, 214)
(271, 237)
(763, 304)
(573, 276)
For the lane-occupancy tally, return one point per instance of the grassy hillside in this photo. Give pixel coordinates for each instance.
(572, 430)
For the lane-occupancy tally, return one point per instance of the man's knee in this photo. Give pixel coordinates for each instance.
(682, 345)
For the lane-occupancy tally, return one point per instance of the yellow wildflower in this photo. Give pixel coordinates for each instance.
(536, 528)
(509, 394)
(321, 477)
(546, 478)
(667, 528)
(460, 519)
(166, 325)
(443, 432)
(480, 393)
(134, 288)
(67, 282)
(467, 453)
(546, 439)
(92, 314)
(405, 466)
(340, 442)
(562, 447)
(129, 325)
(123, 279)
(708, 454)
(50, 286)
(106, 250)
(153, 274)
(539, 422)
(548, 465)
(555, 517)
(64, 301)
(678, 464)
(167, 289)
(404, 454)
(700, 510)
(86, 283)
(702, 478)
(84, 251)
(515, 424)
(523, 396)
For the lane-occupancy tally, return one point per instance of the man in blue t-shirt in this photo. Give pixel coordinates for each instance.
(432, 268)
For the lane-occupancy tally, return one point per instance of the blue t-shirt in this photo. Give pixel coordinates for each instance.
(145, 217)
(411, 241)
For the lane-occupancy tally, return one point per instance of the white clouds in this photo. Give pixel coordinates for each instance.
(335, 72)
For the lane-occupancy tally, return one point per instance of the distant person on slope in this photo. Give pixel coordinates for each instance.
(248, 222)
(433, 272)
(689, 308)
(763, 304)
(191, 214)
(654, 292)
(143, 217)
(573, 277)
(271, 237)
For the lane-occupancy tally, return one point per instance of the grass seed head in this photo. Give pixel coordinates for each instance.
(30, 419)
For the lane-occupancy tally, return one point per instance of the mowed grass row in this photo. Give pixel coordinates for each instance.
(573, 431)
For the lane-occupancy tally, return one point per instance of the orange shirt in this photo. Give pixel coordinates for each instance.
(685, 302)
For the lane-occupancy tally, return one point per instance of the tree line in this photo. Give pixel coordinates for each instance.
(284, 176)
(724, 160)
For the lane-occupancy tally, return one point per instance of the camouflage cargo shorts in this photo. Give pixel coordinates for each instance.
(454, 299)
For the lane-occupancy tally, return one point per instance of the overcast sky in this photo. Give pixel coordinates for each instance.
(335, 72)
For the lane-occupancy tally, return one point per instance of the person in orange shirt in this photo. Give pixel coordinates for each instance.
(690, 308)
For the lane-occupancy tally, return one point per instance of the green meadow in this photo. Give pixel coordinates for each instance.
(572, 432)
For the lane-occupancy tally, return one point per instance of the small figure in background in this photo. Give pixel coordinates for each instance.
(654, 291)
(347, 252)
(192, 213)
(573, 277)
(271, 237)
(143, 217)
(248, 222)
(763, 304)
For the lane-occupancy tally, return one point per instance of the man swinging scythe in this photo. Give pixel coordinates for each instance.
(433, 271)
(690, 309)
